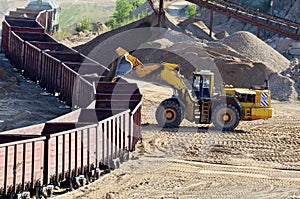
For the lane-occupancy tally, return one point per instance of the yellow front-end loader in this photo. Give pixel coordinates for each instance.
(200, 105)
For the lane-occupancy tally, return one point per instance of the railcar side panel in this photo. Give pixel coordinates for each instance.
(22, 165)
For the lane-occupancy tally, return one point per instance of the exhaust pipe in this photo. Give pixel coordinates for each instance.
(267, 84)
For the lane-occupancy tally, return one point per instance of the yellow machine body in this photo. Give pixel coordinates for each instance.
(256, 104)
(200, 105)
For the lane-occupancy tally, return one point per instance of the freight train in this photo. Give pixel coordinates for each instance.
(75, 148)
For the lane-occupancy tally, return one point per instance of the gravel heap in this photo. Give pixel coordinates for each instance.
(296, 77)
(241, 59)
(228, 65)
(131, 36)
(294, 73)
(254, 49)
(257, 50)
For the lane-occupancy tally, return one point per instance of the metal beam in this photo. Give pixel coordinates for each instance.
(274, 24)
(152, 6)
(160, 12)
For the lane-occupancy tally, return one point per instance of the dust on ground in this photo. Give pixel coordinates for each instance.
(260, 159)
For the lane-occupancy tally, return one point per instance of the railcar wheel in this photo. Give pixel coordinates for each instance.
(116, 163)
(225, 117)
(125, 156)
(168, 114)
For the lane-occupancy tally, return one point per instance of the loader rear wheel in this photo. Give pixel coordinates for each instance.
(168, 114)
(225, 117)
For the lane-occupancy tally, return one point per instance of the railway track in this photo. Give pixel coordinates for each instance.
(78, 147)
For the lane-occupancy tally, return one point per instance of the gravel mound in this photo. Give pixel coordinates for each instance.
(255, 49)
(241, 59)
(228, 65)
(130, 37)
(240, 71)
(200, 30)
(283, 88)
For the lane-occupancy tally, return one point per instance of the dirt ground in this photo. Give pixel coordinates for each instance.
(260, 159)
(23, 102)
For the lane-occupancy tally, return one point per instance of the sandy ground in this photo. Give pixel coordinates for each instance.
(261, 159)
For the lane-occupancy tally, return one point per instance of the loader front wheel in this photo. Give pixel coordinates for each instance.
(168, 114)
(225, 117)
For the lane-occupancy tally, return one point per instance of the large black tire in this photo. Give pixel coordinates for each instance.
(225, 117)
(168, 114)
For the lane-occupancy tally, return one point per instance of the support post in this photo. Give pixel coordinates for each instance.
(160, 12)
(152, 6)
(211, 22)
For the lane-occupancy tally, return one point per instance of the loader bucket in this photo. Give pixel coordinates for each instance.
(124, 66)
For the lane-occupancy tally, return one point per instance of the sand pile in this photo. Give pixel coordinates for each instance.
(131, 36)
(255, 49)
(241, 59)
(296, 78)
(200, 30)
(189, 55)
(228, 65)
(294, 73)
(264, 59)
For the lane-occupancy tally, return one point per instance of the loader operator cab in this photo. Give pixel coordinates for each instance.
(203, 84)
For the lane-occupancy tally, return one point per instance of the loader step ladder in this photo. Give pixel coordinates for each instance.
(197, 113)
(205, 111)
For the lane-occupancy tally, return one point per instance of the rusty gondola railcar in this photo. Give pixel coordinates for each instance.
(98, 135)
